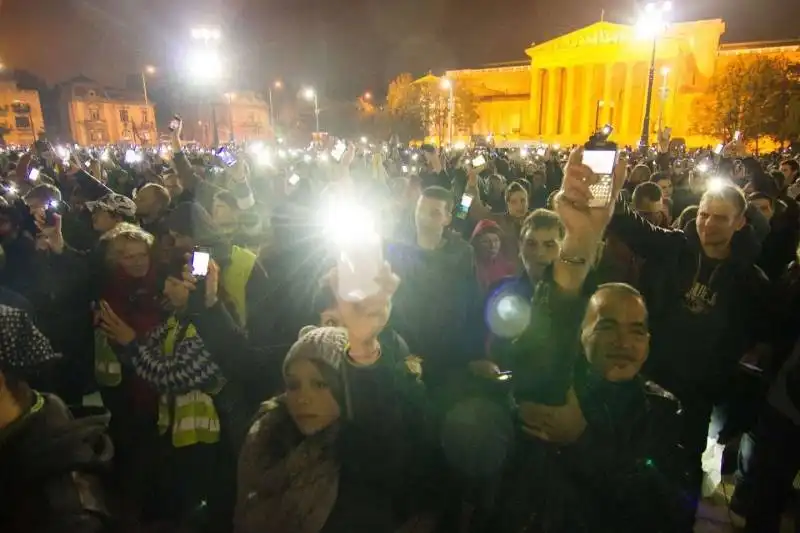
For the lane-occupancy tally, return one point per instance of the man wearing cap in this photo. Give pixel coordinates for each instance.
(110, 210)
(48, 459)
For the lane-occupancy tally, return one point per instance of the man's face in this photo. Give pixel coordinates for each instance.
(147, 203)
(518, 204)
(103, 221)
(666, 188)
(615, 335)
(432, 215)
(173, 185)
(488, 245)
(539, 247)
(788, 174)
(763, 205)
(717, 221)
(653, 212)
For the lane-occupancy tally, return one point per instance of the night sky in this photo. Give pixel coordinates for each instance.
(343, 47)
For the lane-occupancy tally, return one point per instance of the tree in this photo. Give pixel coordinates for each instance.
(404, 108)
(752, 94)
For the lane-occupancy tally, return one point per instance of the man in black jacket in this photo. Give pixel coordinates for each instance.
(708, 306)
(49, 461)
(604, 440)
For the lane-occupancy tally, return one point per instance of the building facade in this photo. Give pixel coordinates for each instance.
(236, 117)
(21, 117)
(93, 114)
(599, 74)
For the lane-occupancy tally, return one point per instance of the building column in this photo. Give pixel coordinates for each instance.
(587, 102)
(627, 108)
(569, 101)
(536, 94)
(550, 104)
(608, 96)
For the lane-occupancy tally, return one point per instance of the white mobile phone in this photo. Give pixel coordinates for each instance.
(34, 174)
(200, 260)
(718, 149)
(294, 179)
(479, 161)
(338, 151)
(600, 161)
(463, 207)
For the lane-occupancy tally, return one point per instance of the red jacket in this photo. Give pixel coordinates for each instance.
(491, 270)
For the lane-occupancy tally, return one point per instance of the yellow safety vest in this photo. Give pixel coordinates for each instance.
(194, 418)
(234, 280)
(107, 369)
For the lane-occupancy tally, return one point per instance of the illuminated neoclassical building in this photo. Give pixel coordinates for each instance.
(597, 75)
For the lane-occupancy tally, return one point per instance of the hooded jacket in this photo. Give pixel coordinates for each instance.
(51, 468)
(491, 270)
(704, 314)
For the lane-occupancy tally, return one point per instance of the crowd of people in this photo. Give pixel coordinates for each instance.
(528, 361)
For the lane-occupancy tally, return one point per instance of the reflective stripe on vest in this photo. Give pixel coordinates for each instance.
(234, 280)
(194, 417)
(107, 370)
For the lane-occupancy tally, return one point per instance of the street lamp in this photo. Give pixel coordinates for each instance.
(651, 23)
(664, 92)
(278, 84)
(448, 86)
(367, 95)
(206, 66)
(311, 95)
(230, 97)
(149, 69)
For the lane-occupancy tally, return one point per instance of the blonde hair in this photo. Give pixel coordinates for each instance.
(120, 235)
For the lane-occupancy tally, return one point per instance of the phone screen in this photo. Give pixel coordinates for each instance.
(541, 151)
(718, 149)
(737, 136)
(294, 179)
(479, 161)
(226, 157)
(200, 261)
(463, 207)
(34, 174)
(338, 150)
(600, 161)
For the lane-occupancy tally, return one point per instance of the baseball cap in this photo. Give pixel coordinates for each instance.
(114, 203)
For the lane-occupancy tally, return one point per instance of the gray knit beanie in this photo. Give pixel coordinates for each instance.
(327, 348)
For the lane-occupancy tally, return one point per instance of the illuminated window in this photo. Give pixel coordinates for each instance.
(123, 115)
(22, 122)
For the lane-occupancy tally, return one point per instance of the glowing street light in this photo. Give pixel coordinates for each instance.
(447, 85)
(206, 34)
(311, 95)
(277, 84)
(367, 95)
(652, 22)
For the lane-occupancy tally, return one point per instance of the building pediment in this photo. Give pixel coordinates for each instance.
(597, 34)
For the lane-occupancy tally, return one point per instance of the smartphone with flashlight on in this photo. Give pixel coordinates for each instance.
(463, 207)
(338, 150)
(478, 161)
(201, 257)
(33, 175)
(294, 179)
(719, 148)
(227, 158)
(50, 212)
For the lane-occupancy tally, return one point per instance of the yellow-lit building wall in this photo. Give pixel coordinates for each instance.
(598, 75)
(97, 121)
(20, 114)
